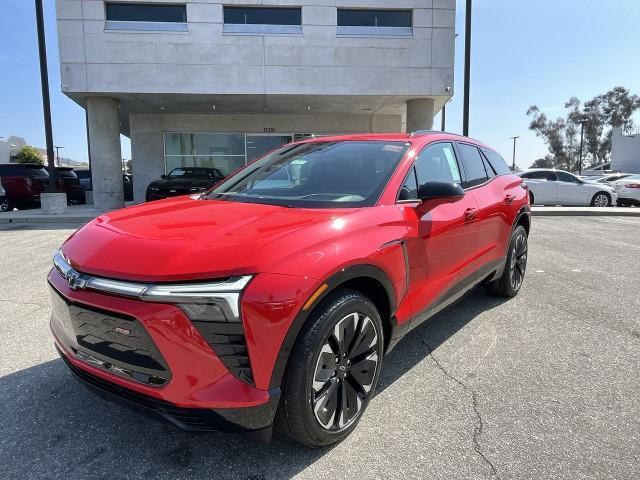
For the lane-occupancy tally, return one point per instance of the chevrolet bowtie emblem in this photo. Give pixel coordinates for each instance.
(75, 281)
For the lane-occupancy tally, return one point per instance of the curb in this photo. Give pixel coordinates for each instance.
(618, 212)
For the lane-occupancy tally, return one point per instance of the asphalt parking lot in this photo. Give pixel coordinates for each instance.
(543, 386)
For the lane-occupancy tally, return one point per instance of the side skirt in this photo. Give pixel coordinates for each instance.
(486, 273)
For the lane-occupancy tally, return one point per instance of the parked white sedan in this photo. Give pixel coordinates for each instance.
(628, 190)
(557, 187)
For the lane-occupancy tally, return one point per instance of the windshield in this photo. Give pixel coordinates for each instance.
(188, 172)
(316, 175)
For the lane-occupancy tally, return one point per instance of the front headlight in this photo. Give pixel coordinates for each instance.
(204, 301)
(218, 301)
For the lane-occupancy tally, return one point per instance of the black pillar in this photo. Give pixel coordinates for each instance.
(46, 106)
(467, 69)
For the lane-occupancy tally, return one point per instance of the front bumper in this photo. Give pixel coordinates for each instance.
(231, 420)
(162, 365)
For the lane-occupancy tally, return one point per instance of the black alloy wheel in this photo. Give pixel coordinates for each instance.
(345, 371)
(333, 370)
(509, 283)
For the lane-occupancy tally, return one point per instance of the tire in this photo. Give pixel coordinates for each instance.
(509, 283)
(6, 205)
(530, 198)
(601, 199)
(315, 383)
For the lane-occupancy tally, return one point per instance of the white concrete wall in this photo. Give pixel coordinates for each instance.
(147, 143)
(625, 152)
(206, 60)
(4, 152)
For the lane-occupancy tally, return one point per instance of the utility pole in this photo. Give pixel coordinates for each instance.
(46, 104)
(443, 118)
(582, 122)
(514, 152)
(467, 69)
(57, 154)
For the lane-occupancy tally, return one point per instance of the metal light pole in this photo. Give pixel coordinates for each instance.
(514, 152)
(444, 118)
(57, 154)
(467, 69)
(582, 122)
(46, 105)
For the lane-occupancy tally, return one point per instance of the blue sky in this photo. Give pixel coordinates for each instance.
(524, 52)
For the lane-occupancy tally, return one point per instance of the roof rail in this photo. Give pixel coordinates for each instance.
(418, 133)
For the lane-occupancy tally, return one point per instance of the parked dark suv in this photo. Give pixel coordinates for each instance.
(4, 203)
(69, 183)
(85, 183)
(23, 184)
(183, 181)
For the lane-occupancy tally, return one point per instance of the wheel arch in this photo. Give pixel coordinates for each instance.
(368, 279)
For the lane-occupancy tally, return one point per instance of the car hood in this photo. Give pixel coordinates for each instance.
(181, 183)
(183, 239)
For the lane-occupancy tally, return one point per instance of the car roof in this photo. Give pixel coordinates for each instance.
(420, 138)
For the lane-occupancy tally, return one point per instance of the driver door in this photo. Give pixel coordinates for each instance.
(570, 190)
(443, 257)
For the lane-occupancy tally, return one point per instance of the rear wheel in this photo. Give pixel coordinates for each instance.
(509, 283)
(333, 370)
(601, 199)
(5, 204)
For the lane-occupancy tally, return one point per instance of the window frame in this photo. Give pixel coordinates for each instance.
(145, 26)
(465, 182)
(261, 28)
(463, 174)
(374, 31)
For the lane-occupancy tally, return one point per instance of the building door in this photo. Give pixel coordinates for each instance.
(258, 145)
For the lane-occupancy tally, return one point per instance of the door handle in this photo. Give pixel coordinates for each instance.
(470, 214)
(509, 199)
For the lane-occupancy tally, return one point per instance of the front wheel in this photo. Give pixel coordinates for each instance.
(601, 199)
(509, 283)
(333, 370)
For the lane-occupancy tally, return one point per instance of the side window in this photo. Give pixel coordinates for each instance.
(497, 162)
(409, 189)
(565, 177)
(488, 168)
(551, 177)
(473, 165)
(437, 163)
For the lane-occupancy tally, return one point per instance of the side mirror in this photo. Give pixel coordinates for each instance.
(432, 190)
(163, 177)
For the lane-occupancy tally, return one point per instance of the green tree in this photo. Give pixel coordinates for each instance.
(28, 154)
(598, 115)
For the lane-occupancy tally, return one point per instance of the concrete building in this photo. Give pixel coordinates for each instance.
(625, 152)
(9, 148)
(220, 83)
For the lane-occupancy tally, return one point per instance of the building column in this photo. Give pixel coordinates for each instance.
(420, 114)
(105, 153)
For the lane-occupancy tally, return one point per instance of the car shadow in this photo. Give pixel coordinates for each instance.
(53, 428)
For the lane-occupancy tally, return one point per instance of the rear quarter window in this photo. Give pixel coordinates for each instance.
(496, 161)
(473, 165)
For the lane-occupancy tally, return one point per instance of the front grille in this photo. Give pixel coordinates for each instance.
(108, 340)
(228, 342)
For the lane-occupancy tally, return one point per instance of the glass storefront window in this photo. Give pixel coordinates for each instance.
(225, 151)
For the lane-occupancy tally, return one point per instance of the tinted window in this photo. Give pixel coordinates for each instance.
(316, 175)
(540, 175)
(83, 173)
(437, 163)
(497, 162)
(566, 177)
(263, 16)
(409, 189)
(187, 172)
(473, 165)
(373, 18)
(137, 12)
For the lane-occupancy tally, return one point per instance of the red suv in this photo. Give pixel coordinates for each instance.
(279, 292)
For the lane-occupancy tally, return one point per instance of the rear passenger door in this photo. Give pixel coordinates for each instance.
(492, 194)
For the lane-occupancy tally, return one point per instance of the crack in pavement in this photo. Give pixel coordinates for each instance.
(477, 431)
